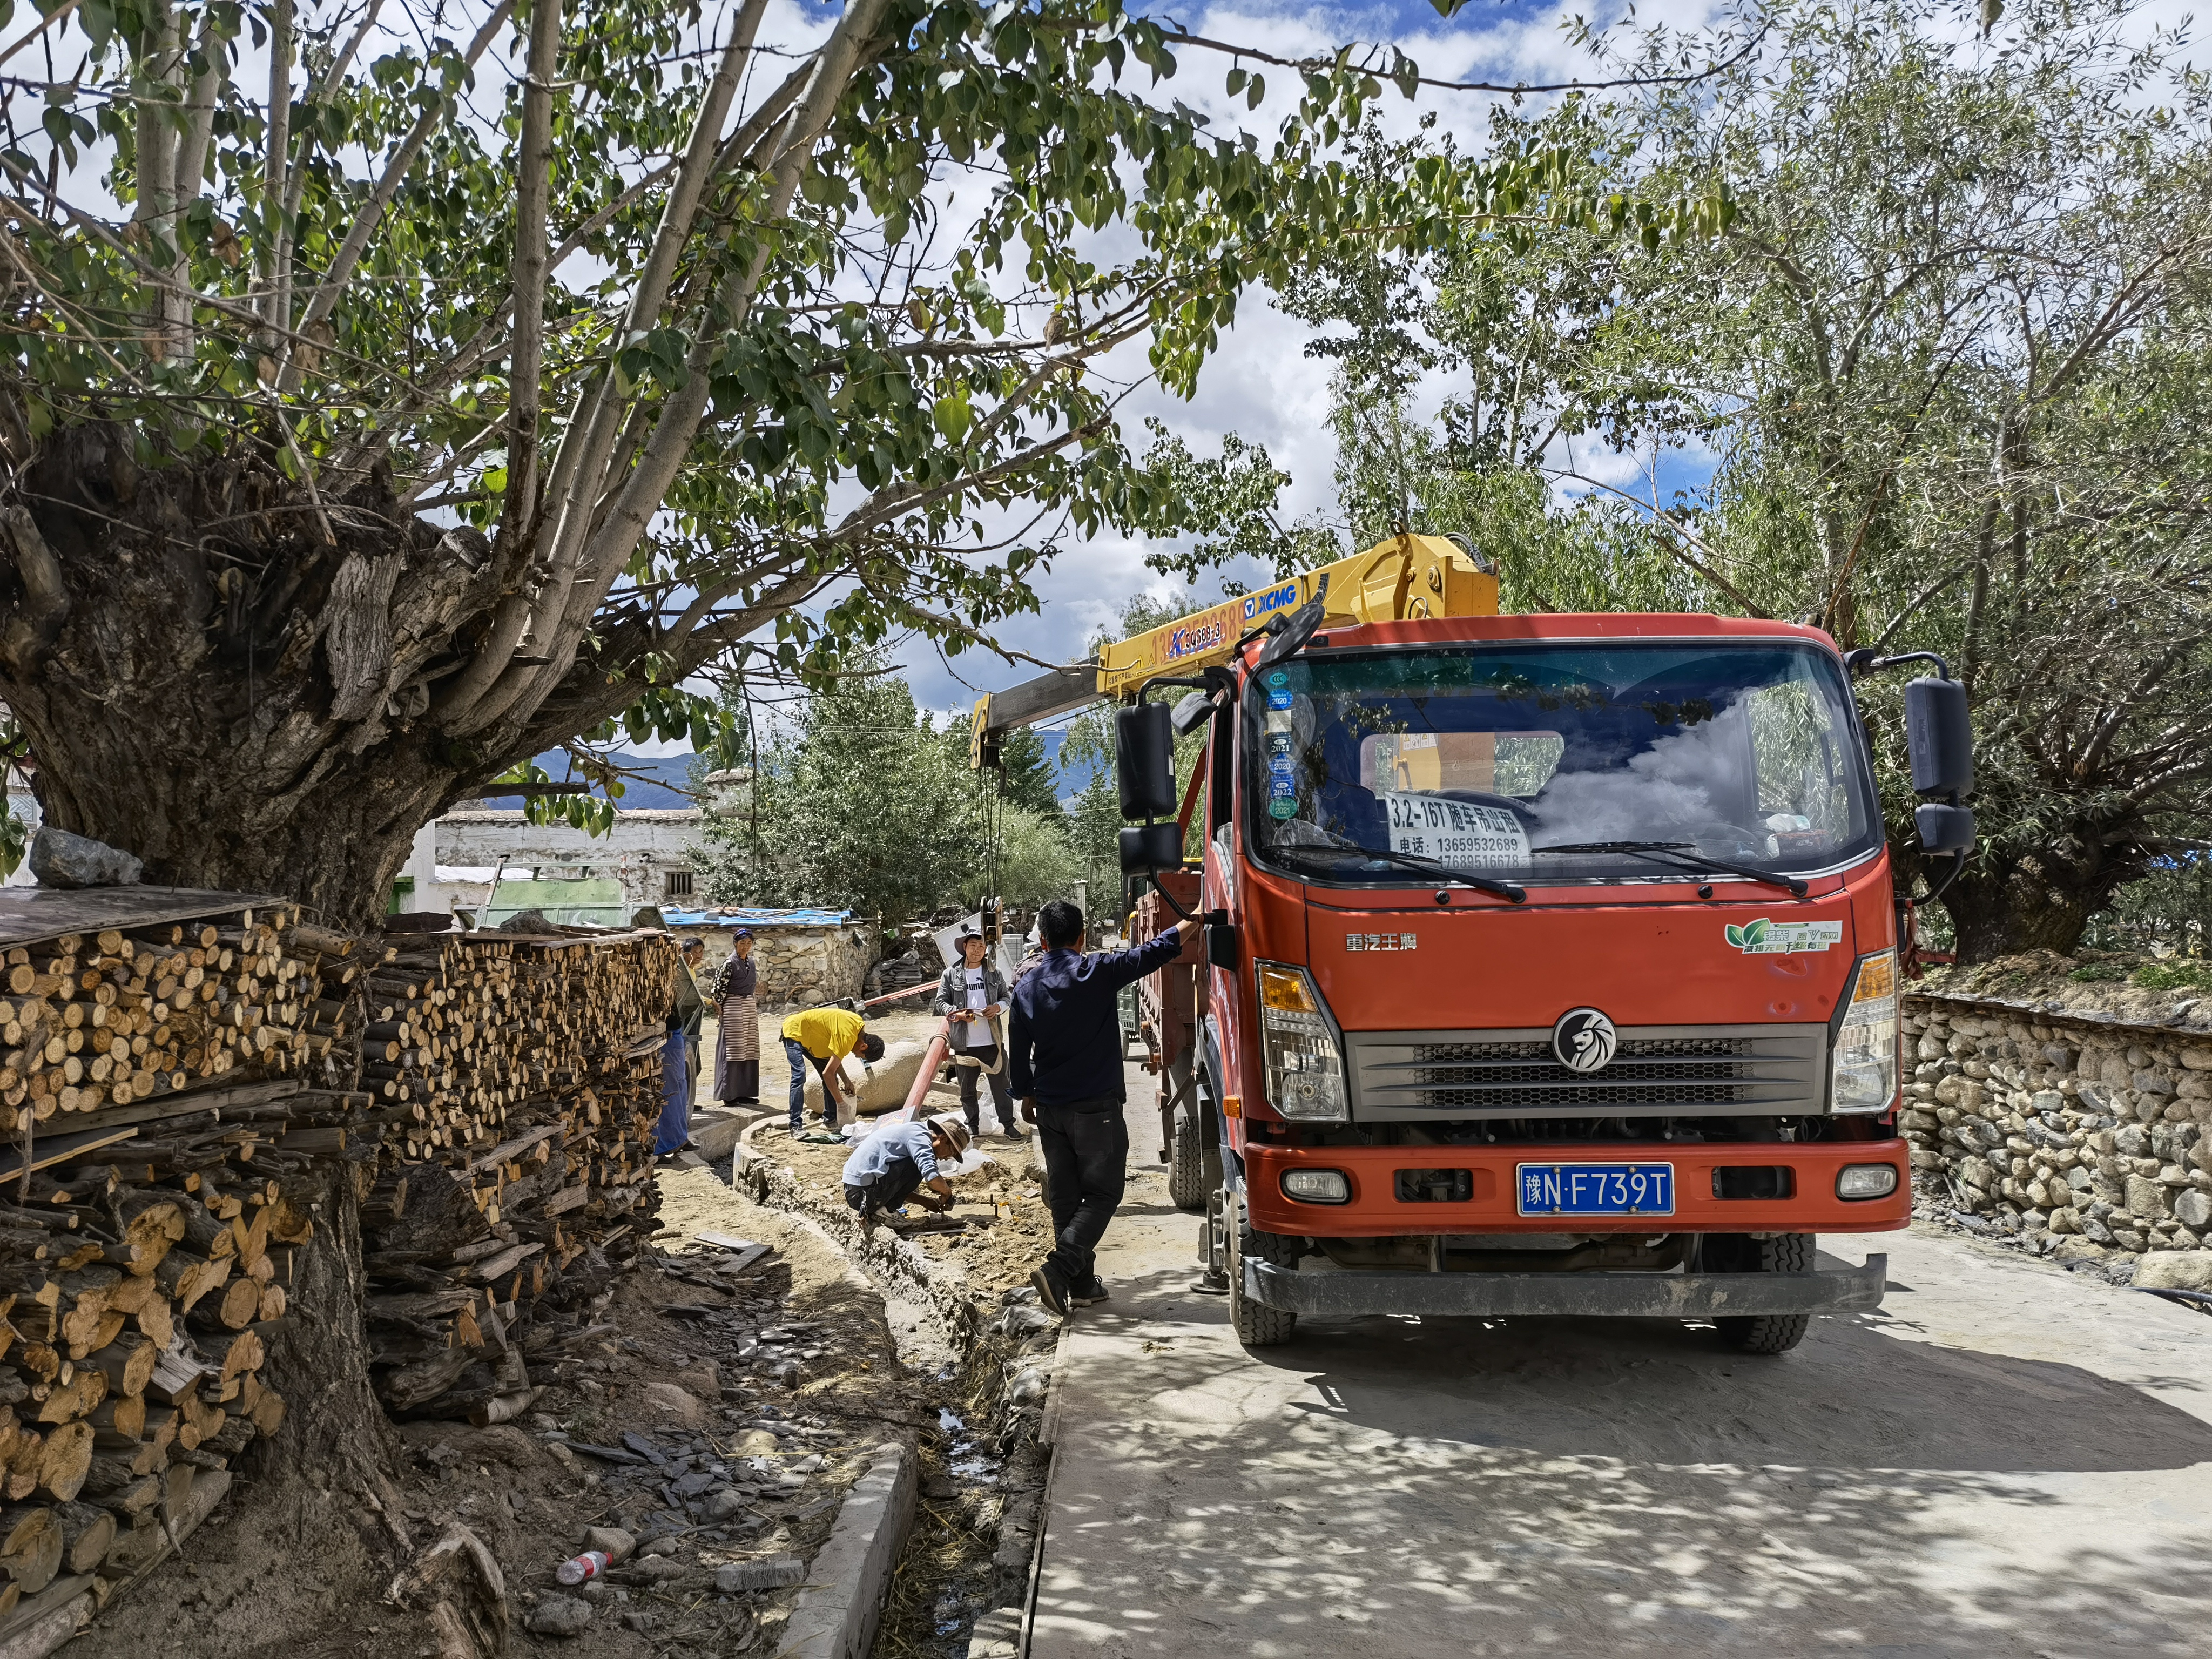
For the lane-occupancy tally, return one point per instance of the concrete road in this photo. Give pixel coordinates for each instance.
(2006, 1461)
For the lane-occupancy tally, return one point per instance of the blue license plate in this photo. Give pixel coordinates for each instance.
(1595, 1188)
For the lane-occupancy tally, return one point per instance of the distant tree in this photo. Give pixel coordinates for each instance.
(1031, 863)
(859, 801)
(1027, 778)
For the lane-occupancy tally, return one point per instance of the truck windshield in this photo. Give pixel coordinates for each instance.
(1567, 762)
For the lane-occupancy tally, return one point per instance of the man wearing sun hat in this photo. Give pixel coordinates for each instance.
(892, 1164)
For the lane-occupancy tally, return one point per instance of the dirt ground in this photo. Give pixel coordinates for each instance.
(730, 1409)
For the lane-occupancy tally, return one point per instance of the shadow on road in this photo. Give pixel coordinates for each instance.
(1394, 1486)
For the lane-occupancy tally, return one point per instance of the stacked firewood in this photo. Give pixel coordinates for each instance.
(149, 1081)
(520, 1079)
(169, 1091)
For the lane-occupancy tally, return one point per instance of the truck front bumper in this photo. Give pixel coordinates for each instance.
(1581, 1295)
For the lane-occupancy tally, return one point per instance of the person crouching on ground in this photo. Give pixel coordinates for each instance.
(1064, 1044)
(894, 1164)
(823, 1037)
(970, 996)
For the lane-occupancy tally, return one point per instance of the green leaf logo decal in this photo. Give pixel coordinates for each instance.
(1754, 932)
(1735, 935)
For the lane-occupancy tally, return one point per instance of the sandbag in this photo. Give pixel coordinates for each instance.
(881, 1087)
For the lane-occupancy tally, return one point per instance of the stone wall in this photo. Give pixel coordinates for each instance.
(2087, 1138)
(802, 967)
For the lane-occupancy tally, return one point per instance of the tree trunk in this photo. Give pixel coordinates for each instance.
(211, 682)
(2037, 901)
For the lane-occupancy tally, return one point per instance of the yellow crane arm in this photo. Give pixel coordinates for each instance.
(1399, 580)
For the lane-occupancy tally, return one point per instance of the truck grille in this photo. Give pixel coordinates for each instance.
(1658, 1071)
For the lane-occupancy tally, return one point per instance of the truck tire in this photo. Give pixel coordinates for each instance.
(1187, 1183)
(1259, 1326)
(1788, 1253)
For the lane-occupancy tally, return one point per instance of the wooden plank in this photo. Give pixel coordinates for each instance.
(180, 1102)
(1060, 692)
(46, 1151)
(508, 1151)
(28, 915)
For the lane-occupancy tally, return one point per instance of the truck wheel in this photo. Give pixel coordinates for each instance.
(1789, 1253)
(1187, 1183)
(1258, 1327)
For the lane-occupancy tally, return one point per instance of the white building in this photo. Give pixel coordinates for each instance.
(647, 853)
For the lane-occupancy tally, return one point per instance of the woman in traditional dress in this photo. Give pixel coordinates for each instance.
(737, 1056)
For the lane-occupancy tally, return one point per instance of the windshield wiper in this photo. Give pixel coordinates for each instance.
(1505, 890)
(1657, 852)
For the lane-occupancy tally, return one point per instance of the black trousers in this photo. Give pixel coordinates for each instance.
(999, 1099)
(900, 1180)
(1086, 1158)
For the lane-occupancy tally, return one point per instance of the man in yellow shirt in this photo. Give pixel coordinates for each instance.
(823, 1037)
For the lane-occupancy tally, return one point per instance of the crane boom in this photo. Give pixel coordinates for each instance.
(1399, 579)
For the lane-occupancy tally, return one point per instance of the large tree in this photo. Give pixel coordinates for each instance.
(455, 393)
(1948, 366)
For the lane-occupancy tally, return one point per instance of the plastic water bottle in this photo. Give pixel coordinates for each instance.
(590, 1565)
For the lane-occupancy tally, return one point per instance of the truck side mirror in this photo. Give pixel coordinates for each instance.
(1144, 764)
(1943, 828)
(1151, 847)
(1939, 738)
(1193, 712)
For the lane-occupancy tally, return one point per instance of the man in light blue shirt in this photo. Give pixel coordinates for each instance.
(889, 1167)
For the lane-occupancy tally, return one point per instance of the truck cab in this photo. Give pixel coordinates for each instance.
(1552, 969)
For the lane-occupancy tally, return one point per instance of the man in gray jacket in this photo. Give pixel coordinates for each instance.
(970, 996)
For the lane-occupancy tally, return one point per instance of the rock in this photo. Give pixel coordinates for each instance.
(2065, 1220)
(559, 1615)
(2152, 1083)
(633, 1619)
(619, 1544)
(663, 1403)
(771, 1572)
(667, 1544)
(726, 1505)
(2078, 1249)
(2131, 1141)
(2145, 1197)
(59, 859)
(1028, 1387)
(756, 1442)
(2175, 1270)
(659, 1568)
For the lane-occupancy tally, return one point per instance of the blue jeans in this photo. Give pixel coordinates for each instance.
(675, 1128)
(796, 1054)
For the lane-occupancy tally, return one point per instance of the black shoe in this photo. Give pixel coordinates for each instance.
(1050, 1291)
(1094, 1292)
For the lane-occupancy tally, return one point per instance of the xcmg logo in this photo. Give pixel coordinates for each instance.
(1259, 604)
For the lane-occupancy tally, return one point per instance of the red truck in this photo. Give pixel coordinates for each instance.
(1551, 965)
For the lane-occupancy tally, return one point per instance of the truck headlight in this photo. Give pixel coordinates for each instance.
(1304, 1065)
(1862, 1071)
(1866, 1181)
(1317, 1186)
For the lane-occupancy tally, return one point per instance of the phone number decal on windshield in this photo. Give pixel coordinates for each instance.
(1459, 830)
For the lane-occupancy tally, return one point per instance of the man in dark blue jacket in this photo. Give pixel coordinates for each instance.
(1064, 1061)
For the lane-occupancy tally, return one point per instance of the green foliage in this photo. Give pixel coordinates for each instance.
(2173, 977)
(1036, 862)
(1027, 778)
(14, 843)
(857, 801)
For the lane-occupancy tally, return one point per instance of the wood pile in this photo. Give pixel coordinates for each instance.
(171, 1089)
(152, 1075)
(520, 1080)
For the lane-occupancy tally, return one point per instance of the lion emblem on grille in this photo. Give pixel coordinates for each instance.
(1584, 1040)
